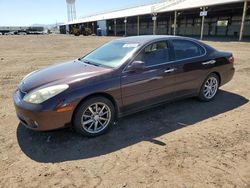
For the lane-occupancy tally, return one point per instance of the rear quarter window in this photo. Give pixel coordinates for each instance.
(187, 49)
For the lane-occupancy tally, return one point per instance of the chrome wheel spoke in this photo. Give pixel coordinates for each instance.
(207, 94)
(96, 108)
(101, 123)
(104, 119)
(89, 128)
(87, 116)
(96, 125)
(91, 110)
(104, 113)
(210, 93)
(101, 111)
(88, 122)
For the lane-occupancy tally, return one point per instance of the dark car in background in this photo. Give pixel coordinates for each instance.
(122, 77)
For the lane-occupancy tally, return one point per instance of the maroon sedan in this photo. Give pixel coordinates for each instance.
(121, 77)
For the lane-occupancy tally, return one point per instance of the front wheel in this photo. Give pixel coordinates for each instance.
(209, 88)
(94, 117)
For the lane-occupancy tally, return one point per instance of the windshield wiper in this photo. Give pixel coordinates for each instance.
(91, 63)
(88, 62)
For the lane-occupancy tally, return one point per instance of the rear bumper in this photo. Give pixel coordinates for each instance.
(36, 118)
(227, 75)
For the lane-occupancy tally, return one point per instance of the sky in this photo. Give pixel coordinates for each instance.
(29, 12)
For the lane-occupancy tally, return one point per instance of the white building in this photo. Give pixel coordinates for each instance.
(222, 18)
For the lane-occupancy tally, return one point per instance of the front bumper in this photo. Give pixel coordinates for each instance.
(39, 117)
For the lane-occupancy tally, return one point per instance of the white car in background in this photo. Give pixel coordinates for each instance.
(22, 33)
(10, 33)
(1, 33)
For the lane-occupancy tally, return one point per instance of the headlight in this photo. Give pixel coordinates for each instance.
(29, 74)
(39, 96)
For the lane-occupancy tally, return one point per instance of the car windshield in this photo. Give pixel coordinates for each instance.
(112, 54)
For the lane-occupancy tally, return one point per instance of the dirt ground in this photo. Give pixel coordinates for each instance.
(181, 144)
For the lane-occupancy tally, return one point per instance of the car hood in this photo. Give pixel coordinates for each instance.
(61, 74)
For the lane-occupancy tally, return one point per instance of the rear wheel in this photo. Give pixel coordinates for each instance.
(209, 88)
(94, 117)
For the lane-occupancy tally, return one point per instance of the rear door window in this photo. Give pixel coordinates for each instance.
(155, 54)
(185, 49)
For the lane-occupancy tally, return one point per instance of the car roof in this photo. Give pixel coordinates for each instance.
(143, 39)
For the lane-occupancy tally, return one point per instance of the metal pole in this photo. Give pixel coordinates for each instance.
(138, 25)
(175, 21)
(202, 23)
(243, 20)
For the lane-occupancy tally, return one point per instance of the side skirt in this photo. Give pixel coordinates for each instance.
(166, 101)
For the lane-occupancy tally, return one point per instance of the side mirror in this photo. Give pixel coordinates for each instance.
(136, 66)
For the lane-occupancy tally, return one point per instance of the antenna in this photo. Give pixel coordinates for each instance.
(71, 10)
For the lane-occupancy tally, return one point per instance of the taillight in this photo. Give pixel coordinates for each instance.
(231, 59)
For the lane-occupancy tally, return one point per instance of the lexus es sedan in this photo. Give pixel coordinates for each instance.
(121, 77)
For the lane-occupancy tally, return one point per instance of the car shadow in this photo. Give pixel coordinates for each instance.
(66, 145)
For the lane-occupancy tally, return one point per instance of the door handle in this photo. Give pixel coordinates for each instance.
(209, 62)
(169, 70)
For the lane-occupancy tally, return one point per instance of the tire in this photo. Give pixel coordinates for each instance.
(91, 122)
(209, 88)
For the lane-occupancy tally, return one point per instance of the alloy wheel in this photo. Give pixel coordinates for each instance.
(96, 118)
(210, 88)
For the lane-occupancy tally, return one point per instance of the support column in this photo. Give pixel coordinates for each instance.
(243, 20)
(138, 25)
(202, 23)
(154, 18)
(170, 25)
(93, 28)
(115, 27)
(175, 21)
(186, 23)
(125, 23)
